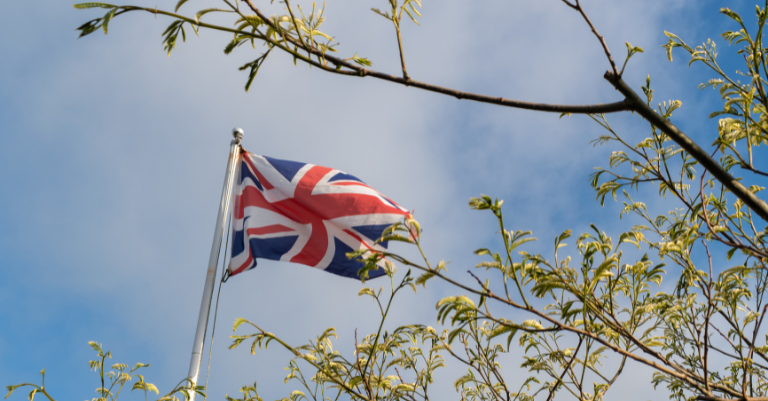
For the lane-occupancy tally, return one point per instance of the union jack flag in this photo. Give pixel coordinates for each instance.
(308, 214)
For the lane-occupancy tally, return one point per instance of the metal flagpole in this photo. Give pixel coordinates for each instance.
(210, 277)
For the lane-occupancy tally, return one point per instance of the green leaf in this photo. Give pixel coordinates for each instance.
(10, 390)
(253, 20)
(83, 6)
(422, 279)
(511, 337)
(453, 334)
(254, 66)
(95, 346)
(366, 291)
(362, 61)
(533, 324)
(108, 18)
(172, 27)
(237, 41)
(563, 236)
(238, 322)
(329, 332)
(501, 329)
(734, 15)
(382, 13)
(482, 251)
(179, 4)
(633, 49)
(394, 237)
(604, 269)
(461, 381)
(209, 10)
(88, 28)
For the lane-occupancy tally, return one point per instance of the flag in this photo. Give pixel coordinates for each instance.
(307, 214)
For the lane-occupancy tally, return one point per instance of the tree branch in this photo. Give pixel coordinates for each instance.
(580, 9)
(714, 168)
(754, 170)
(683, 375)
(500, 101)
(573, 6)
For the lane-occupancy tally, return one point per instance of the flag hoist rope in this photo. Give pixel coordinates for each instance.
(224, 278)
(213, 261)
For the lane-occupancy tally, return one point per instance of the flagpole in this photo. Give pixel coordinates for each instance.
(210, 277)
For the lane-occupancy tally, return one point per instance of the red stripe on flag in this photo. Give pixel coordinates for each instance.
(350, 183)
(275, 228)
(244, 266)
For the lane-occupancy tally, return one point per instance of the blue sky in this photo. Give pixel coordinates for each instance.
(112, 157)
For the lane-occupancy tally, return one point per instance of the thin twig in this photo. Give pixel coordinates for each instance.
(396, 20)
(707, 317)
(402, 56)
(754, 170)
(580, 9)
(573, 6)
(360, 369)
(567, 366)
(500, 101)
(741, 336)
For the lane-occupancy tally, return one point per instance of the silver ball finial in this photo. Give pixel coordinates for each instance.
(238, 133)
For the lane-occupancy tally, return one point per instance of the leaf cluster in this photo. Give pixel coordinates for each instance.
(113, 381)
(396, 365)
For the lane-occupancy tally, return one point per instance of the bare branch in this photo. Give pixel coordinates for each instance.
(580, 9)
(500, 101)
(573, 6)
(402, 56)
(754, 170)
